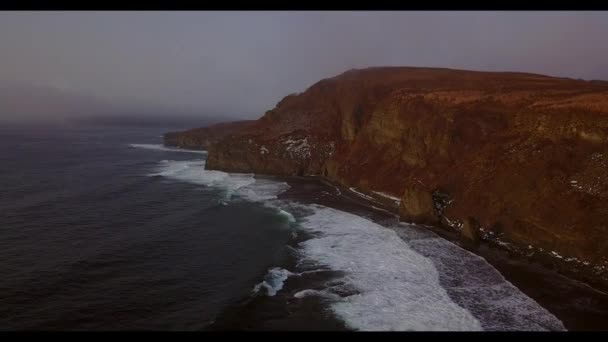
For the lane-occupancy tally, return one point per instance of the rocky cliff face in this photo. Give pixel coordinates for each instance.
(201, 138)
(524, 156)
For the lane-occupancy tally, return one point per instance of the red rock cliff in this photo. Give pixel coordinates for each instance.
(523, 155)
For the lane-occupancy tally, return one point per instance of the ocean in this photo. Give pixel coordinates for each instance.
(106, 229)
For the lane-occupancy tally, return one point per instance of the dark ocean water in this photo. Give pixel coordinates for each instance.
(104, 229)
(89, 242)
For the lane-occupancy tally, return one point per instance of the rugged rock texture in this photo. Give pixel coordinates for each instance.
(470, 230)
(417, 205)
(524, 155)
(201, 138)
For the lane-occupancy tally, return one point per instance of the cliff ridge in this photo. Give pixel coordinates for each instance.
(524, 156)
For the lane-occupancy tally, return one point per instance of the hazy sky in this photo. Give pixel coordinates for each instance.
(243, 63)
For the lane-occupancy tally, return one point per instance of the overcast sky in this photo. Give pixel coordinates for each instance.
(243, 63)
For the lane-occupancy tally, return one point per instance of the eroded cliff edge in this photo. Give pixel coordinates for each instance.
(518, 159)
(201, 138)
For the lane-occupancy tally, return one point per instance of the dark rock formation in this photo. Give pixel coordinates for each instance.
(417, 205)
(470, 230)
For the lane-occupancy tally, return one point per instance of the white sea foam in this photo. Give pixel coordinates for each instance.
(398, 289)
(160, 147)
(477, 286)
(316, 293)
(273, 281)
(234, 184)
(262, 190)
(288, 215)
(193, 171)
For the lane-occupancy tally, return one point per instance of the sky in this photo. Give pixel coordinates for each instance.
(241, 64)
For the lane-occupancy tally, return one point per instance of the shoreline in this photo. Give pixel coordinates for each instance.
(375, 202)
(593, 275)
(580, 305)
(578, 299)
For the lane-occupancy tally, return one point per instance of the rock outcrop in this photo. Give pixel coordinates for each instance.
(470, 230)
(524, 156)
(201, 138)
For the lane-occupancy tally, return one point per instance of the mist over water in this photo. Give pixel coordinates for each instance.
(90, 241)
(240, 64)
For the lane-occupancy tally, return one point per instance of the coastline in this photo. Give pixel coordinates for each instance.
(578, 299)
(583, 274)
(579, 304)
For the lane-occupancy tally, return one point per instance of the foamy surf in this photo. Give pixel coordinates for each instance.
(193, 171)
(407, 278)
(241, 185)
(477, 286)
(398, 289)
(273, 281)
(316, 293)
(262, 190)
(287, 215)
(160, 147)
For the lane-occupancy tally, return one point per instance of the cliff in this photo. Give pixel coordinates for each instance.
(201, 138)
(523, 156)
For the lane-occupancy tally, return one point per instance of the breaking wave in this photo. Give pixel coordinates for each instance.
(273, 281)
(407, 278)
(242, 185)
(477, 286)
(398, 289)
(160, 147)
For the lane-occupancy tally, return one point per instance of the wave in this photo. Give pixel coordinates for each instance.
(160, 147)
(245, 186)
(407, 278)
(273, 281)
(262, 190)
(287, 215)
(316, 293)
(398, 289)
(477, 286)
